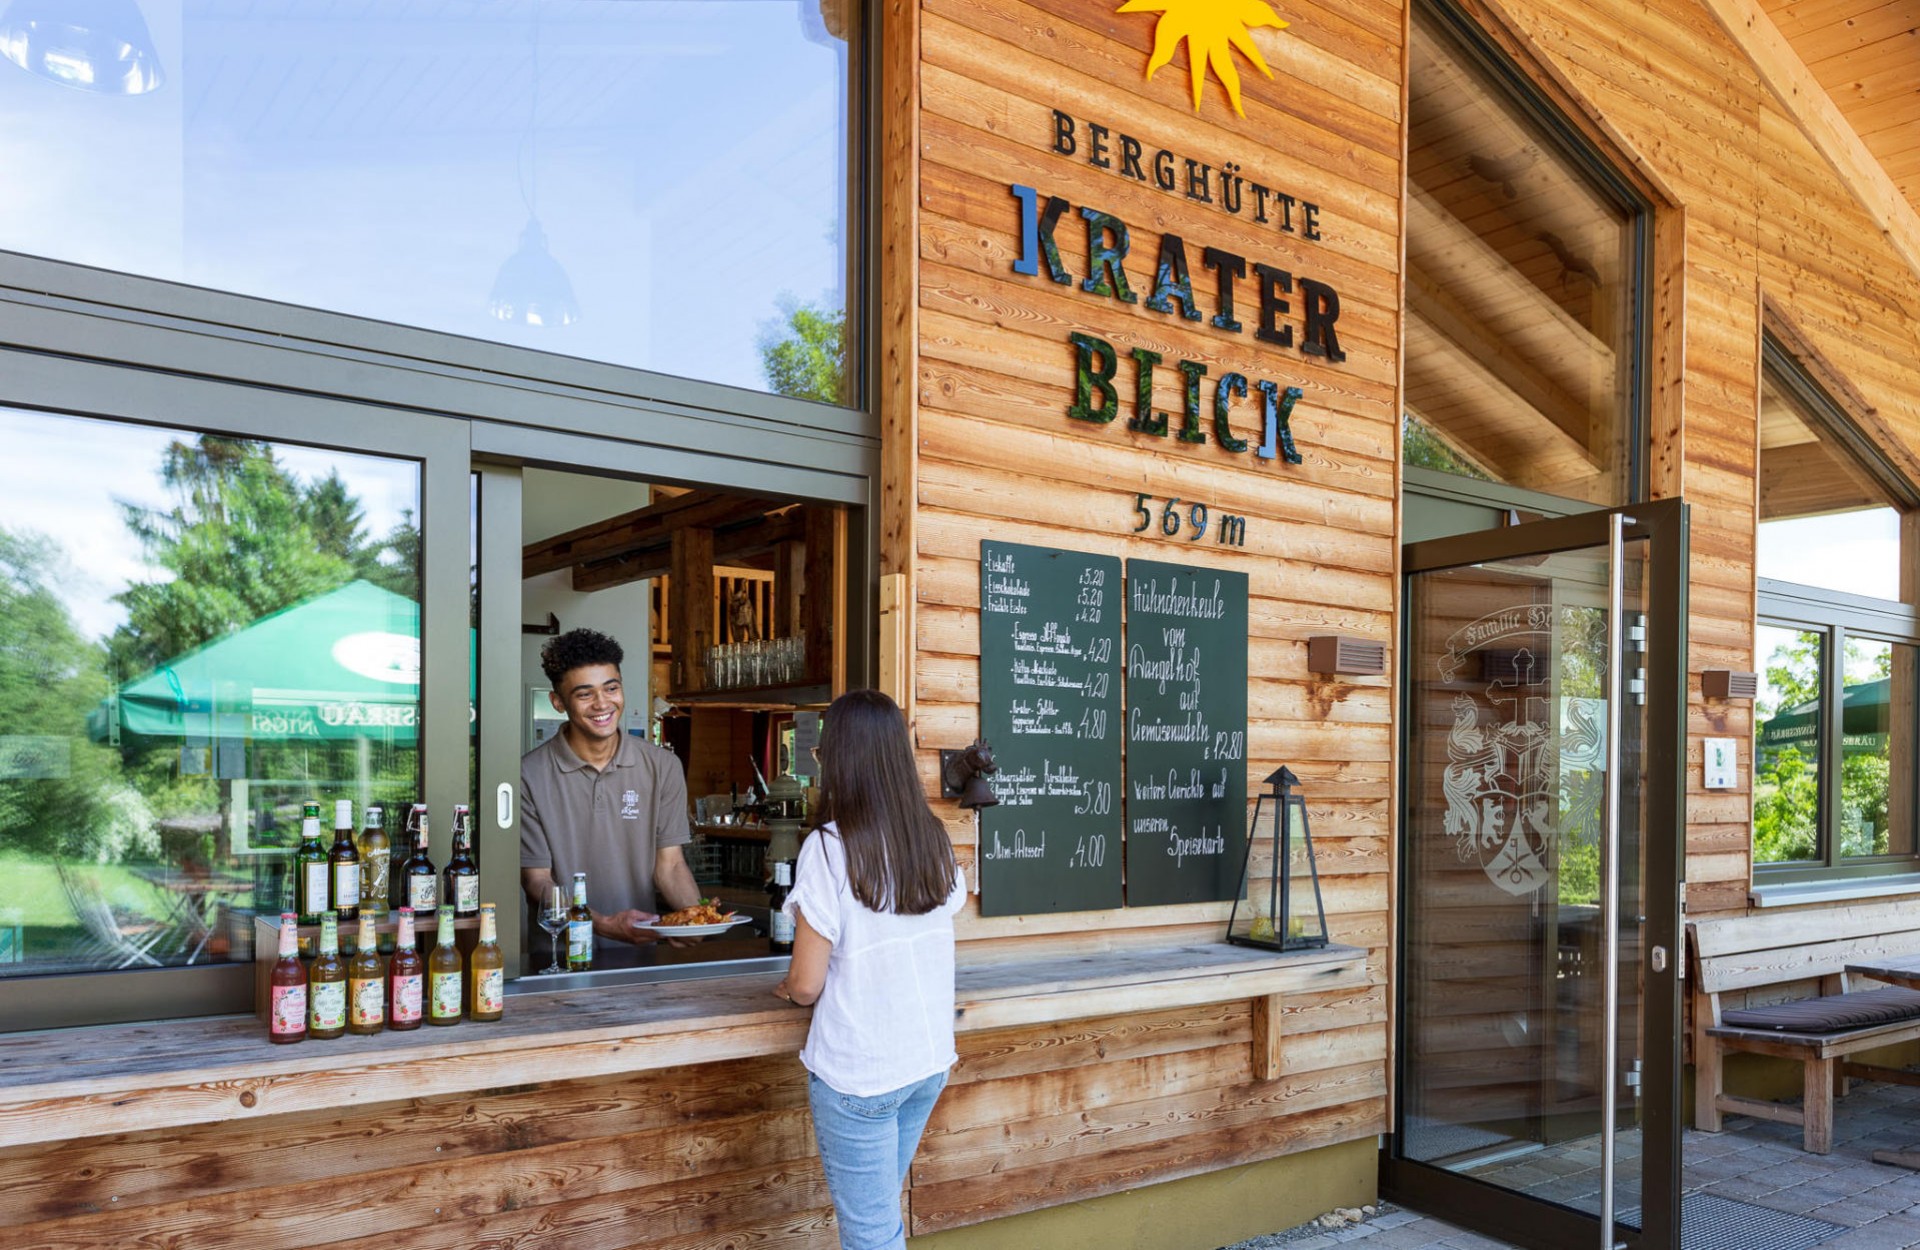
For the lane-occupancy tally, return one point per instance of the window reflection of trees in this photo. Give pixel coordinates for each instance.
(120, 853)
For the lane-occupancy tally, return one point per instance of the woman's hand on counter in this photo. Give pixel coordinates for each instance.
(784, 992)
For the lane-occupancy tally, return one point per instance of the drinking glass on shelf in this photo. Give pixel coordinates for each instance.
(553, 918)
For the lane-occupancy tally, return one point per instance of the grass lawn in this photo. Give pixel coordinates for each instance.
(30, 892)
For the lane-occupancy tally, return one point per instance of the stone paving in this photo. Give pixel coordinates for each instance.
(1753, 1161)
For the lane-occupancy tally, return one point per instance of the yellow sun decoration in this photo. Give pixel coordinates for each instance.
(1212, 29)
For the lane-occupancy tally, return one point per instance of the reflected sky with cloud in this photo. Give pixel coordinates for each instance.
(687, 161)
(83, 516)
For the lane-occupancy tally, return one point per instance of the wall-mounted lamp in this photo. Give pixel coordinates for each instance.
(101, 46)
(1333, 653)
(963, 775)
(1727, 683)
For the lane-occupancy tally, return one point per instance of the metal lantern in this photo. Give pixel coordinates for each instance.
(1279, 909)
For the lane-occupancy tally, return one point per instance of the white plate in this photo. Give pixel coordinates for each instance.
(692, 930)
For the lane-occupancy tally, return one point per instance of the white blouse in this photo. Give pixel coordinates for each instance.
(885, 1016)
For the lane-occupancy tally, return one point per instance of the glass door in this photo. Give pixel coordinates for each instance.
(1541, 857)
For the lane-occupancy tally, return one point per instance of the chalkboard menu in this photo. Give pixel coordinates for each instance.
(1186, 732)
(1050, 708)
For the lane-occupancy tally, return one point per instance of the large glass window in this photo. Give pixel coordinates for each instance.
(1835, 728)
(655, 183)
(1523, 283)
(197, 634)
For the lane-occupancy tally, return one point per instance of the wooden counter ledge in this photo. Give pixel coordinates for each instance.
(70, 1083)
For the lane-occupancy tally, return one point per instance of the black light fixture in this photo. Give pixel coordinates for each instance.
(101, 46)
(963, 775)
(1279, 907)
(531, 288)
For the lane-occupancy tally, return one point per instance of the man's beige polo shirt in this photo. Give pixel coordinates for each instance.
(605, 824)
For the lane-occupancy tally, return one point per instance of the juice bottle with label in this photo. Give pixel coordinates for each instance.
(287, 1013)
(487, 971)
(406, 977)
(444, 974)
(366, 983)
(327, 984)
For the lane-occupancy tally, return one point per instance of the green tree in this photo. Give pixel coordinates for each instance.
(61, 796)
(238, 542)
(804, 353)
(1424, 449)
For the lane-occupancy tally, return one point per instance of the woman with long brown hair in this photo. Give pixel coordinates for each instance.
(873, 903)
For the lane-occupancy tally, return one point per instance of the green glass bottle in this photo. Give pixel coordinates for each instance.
(312, 869)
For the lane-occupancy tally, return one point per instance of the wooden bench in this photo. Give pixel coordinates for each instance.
(1819, 1030)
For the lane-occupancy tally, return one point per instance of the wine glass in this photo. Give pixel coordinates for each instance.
(553, 918)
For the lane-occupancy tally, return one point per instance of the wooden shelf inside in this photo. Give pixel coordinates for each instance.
(799, 695)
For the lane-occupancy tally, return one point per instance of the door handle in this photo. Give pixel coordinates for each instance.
(503, 805)
(1658, 958)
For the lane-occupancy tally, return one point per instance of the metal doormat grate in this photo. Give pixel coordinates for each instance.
(1710, 1222)
(1434, 1141)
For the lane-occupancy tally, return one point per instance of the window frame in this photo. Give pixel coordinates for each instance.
(1522, 90)
(439, 446)
(1835, 616)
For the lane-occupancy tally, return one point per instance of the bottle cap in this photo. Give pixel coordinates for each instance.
(342, 812)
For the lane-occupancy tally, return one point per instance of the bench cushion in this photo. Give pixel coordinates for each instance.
(1835, 1013)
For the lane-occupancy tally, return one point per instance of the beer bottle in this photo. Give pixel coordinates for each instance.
(579, 928)
(345, 859)
(423, 884)
(780, 924)
(444, 974)
(287, 1013)
(406, 977)
(366, 982)
(310, 862)
(327, 984)
(461, 883)
(487, 970)
(376, 857)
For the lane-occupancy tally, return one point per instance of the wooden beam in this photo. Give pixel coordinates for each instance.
(1267, 1017)
(643, 527)
(1820, 119)
(821, 606)
(750, 545)
(690, 608)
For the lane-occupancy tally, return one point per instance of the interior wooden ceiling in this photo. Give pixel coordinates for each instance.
(1866, 53)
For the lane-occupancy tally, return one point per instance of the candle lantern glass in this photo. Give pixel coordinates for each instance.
(1279, 906)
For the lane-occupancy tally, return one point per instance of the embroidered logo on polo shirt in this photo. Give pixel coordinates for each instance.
(630, 805)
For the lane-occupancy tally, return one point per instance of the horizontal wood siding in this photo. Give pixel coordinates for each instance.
(1054, 1113)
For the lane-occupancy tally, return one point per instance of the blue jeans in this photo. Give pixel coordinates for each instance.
(866, 1146)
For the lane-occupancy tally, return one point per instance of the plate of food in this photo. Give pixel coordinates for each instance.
(703, 919)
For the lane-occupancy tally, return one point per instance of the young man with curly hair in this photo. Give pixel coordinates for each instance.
(596, 799)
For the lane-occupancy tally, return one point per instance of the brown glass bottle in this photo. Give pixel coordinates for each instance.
(487, 972)
(420, 884)
(445, 974)
(366, 982)
(460, 883)
(287, 1012)
(327, 985)
(406, 977)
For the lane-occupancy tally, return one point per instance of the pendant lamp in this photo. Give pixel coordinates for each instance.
(101, 46)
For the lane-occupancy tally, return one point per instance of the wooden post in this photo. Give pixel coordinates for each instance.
(1267, 1016)
(822, 603)
(691, 607)
(895, 679)
(789, 579)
